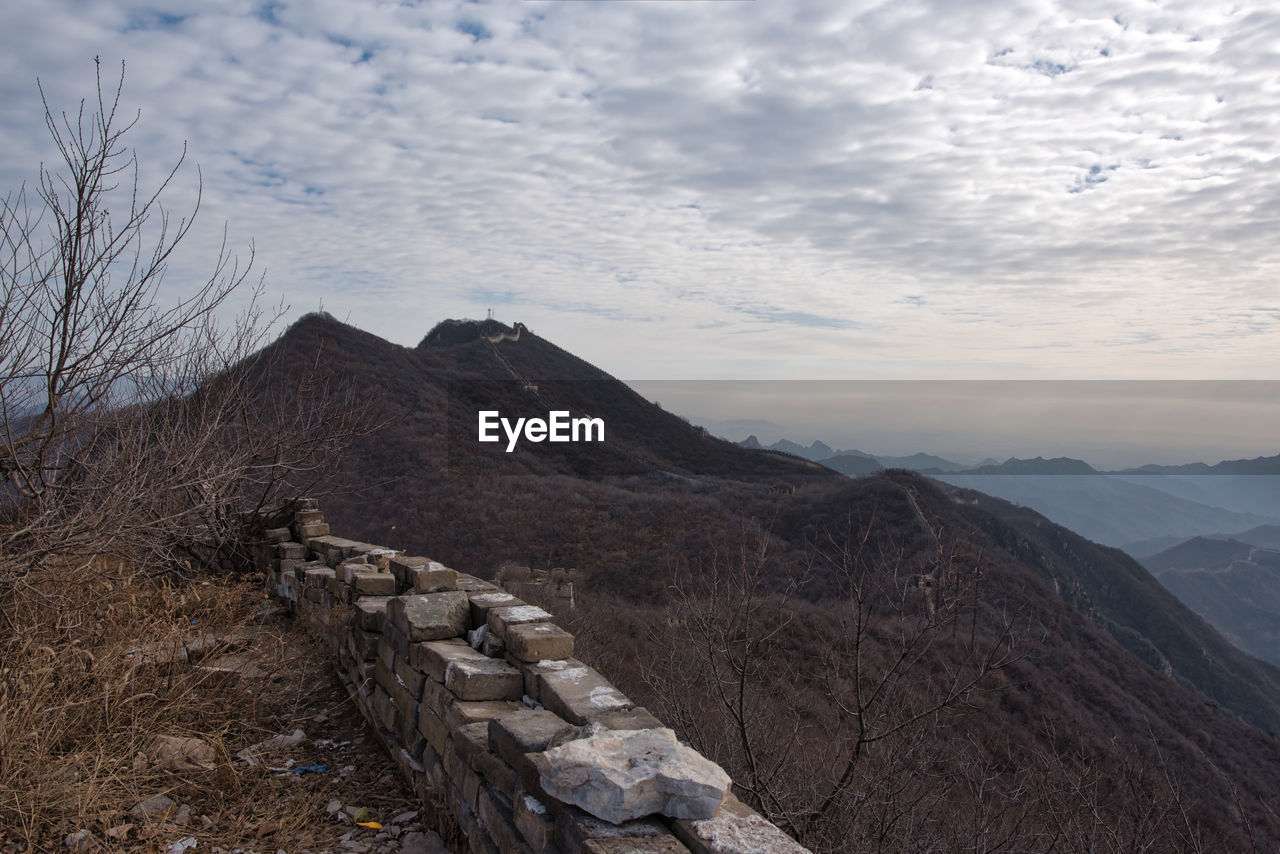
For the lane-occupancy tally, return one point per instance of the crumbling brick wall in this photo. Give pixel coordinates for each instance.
(500, 731)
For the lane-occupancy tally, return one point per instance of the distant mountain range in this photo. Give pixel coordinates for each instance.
(1232, 584)
(821, 452)
(1141, 510)
(1115, 669)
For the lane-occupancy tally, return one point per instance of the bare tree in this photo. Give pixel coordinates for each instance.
(131, 423)
(839, 741)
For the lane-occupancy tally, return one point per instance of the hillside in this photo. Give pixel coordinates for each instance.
(1107, 509)
(1105, 668)
(1197, 553)
(1232, 585)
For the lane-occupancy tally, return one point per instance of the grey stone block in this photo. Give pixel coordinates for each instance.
(533, 642)
(430, 616)
(369, 612)
(500, 618)
(637, 718)
(433, 578)
(432, 657)
(462, 712)
(373, 583)
(471, 584)
(402, 565)
(483, 602)
(526, 731)
(534, 821)
(735, 829)
(579, 694)
(483, 679)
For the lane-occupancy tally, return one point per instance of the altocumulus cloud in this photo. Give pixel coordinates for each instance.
(871, 189)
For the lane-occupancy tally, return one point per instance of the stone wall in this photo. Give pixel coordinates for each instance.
(501, 732)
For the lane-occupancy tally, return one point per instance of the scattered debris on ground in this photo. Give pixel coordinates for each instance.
(286, 766)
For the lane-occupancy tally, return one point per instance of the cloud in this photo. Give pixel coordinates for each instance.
(919, 187)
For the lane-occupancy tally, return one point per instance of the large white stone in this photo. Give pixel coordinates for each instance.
(619, 775)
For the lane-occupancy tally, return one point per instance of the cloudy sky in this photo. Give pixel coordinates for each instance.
(721, 190)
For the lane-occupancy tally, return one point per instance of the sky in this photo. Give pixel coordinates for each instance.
(718, 190)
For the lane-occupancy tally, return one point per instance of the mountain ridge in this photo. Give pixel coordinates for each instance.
(663, 493)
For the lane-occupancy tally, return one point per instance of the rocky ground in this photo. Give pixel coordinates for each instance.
(290, 768)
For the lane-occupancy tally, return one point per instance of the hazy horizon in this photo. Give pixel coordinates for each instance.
(1109, 424)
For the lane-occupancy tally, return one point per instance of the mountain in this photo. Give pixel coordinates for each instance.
(1197, 553)
(1240, 599)
(821, 452)
(1039, 465)
(1255, 466)
(1110, 510)
(1231, 584)
(818, 451)
(1257, 494)
(1105, 667)
(920, 462)
(1263, 537)
(853, 465)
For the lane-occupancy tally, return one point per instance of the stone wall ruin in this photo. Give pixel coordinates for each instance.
(500, 731)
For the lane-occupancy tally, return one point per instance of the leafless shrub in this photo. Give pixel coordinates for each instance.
(131, 425)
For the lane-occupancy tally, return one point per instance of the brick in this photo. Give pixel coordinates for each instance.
(579, 694)
(483, 602)
(433, 578)
(496, 815)
(410, 739)
(374, 583)
(394, 639)
(370, 611)
(406, 701)
(291, 551)
(364, 645)
(575, 828)
(533, 642)
(533, 673)
(501, 618)
(437, 697)
(533, 821)
(486, 679)
(471, 584)
(410, 676)
(348, 568)
(311, 530)
(402, 565)
(526, 731)
(497, 773)
(320, 577)
(276, 535)
(736, 821)
(384, 676)
(432, 728)
(637, 718)
(462, 712)
(655, 845)
(432, 657)
(430, 616)
(471, 741)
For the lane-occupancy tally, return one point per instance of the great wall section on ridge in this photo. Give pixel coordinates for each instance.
(496, 727)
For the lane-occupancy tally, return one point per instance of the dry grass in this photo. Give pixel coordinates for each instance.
(89, 678)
